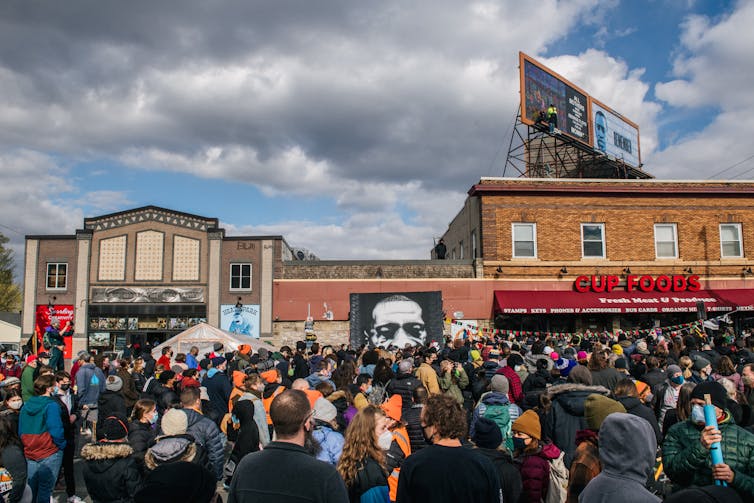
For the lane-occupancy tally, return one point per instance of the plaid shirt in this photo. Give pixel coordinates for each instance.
(586, 464)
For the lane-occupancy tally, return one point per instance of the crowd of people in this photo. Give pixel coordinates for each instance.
(605, 418)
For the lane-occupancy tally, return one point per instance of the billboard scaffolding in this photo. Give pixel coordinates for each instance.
(589, 140)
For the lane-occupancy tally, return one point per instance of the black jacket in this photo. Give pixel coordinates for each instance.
(173, 448)
(209, 437)
(110, 472)
(12, 459)
(634, 406)
(165, 397)
(141, 437)
(248, 433)
(412, 418)
(259, 478)
(510, 477)
(111, 403)
(404, 385)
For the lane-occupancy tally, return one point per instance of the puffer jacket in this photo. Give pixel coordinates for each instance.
(404, 385)
(412, 418)
(533, 387)
(110, 472)
(111, 403)
(535, 472)
(206, 433)
(566, 415)
(330, 441)
(510, 478)
(90, 383)
(141, 437)
(687, 462)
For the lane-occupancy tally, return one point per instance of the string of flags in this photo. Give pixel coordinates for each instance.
(465, 328)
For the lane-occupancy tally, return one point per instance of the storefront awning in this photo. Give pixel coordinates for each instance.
(621, 302)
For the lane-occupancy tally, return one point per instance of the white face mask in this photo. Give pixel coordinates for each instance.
(385, 440)
(15, 404)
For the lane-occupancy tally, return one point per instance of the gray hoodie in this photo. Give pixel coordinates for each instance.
(625, 464)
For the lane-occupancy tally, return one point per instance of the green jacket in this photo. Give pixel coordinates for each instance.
(27, 383)
(452, 385)
(688, 463)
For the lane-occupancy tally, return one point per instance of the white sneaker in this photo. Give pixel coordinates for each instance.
(74, 499)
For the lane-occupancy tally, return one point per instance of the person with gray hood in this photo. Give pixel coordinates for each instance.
(625, 465)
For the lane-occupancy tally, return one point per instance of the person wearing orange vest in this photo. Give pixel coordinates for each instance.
(311, 394)
(271, 390)
(399, 447)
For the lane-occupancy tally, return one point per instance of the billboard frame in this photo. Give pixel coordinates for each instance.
(624, 119)
(523, 59)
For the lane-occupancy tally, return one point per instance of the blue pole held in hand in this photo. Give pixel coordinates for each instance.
(715, 450)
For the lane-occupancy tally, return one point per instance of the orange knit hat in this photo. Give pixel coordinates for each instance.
(244, 349)
(528, 423)
(393, 407)
(269, 376)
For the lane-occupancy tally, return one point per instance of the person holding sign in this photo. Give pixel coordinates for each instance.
(687, 450)
(552, 117)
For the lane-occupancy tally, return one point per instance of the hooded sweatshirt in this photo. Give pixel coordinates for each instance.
(625, 465)
(40, 428)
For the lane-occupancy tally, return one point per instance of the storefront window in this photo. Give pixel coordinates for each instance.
(593, 240)
(730, 240)
(240, 276)
(57, 276)
(666, 245)
(524, 240)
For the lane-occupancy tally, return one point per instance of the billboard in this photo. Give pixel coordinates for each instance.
(400, 318)
(242, 319)
(541, 87)
(63, 313)
(614, 135)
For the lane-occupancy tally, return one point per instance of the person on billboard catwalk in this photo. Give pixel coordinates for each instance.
(552, 117)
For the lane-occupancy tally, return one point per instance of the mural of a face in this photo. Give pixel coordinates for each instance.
(397, 321)
(600, 131)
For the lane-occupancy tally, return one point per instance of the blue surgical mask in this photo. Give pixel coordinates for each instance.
(519, 443)
(697, 414)
(368, 390)
(153, 418)
(677, 379)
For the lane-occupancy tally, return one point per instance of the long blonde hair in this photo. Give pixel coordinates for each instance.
(685, 363)
(361, 443)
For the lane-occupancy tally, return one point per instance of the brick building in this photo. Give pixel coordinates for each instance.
(576, 254)
(147, 274)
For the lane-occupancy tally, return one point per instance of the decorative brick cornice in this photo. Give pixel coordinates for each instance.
(151, 214)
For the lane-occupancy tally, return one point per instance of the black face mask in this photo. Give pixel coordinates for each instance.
(65, 387)
(427, 439)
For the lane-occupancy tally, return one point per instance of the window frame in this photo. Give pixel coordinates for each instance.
(675, 241)
(474, 245)
(602, 240)
(240, 277)
(533, 226)
(739, 230)
(57, 276)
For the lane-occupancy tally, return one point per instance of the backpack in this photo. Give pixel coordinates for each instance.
(501, 414)
(557, 488)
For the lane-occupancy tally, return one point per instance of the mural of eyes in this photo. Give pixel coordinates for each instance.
(388, 330)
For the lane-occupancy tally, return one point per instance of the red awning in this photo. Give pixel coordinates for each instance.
(619, 302)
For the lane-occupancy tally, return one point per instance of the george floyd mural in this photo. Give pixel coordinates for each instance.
(396, 319)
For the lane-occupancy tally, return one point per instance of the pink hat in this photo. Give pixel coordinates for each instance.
(555, 356)
(581, 355)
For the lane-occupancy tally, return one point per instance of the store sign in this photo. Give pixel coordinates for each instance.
(646, 283)
(64, 315)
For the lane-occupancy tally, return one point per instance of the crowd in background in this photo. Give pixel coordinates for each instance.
(605, 418)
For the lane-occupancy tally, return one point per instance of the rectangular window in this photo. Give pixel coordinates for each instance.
(593, 240)
(240, 276)
(460, 247)
(524, 240)
(730, 241)
(473, 245)
(57, 274)
(666, 241)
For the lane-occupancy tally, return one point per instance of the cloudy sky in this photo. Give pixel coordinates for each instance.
(351, 128)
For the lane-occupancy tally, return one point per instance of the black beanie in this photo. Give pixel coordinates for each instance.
(715, 390)
(487, 434)
(706, 494)
(112, 428)
(177, 483)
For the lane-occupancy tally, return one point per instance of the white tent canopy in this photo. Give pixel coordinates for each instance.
(204, 336)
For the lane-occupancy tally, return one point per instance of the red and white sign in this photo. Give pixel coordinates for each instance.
(621, 302)
(64, 313)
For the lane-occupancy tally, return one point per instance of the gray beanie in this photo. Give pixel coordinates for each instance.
(499, 383)
(114, 383)
(672, 370)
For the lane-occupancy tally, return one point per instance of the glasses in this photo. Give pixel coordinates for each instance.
(388, 330)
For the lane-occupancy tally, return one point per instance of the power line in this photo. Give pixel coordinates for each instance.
(731, 167)
(12, 229)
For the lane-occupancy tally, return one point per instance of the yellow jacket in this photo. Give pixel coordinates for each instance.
(427, 375)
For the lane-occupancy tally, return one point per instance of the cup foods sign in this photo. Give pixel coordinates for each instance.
(634, 283)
